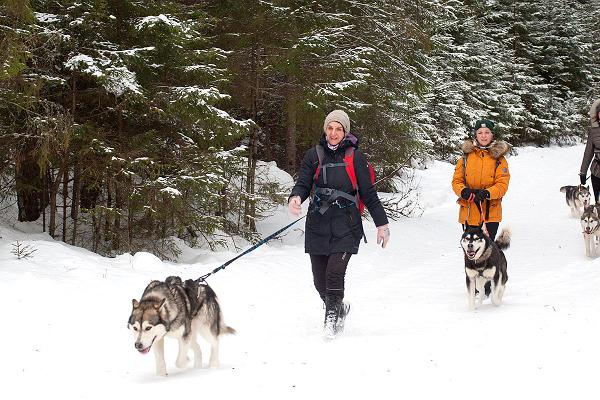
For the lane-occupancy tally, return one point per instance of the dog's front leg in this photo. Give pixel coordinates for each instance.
(471, 293)
(197, 353)
(182, 358)
(480, 286)
(159, 357)
(587, 242)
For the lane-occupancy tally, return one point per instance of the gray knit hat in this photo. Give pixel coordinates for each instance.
(338, 116)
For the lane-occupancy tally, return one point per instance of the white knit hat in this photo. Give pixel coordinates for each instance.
(338, 116)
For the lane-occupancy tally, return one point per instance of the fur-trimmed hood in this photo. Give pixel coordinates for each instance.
(497, 148)
(593, 114)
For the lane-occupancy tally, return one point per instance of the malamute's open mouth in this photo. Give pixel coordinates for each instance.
(147, 349)
(471, 254)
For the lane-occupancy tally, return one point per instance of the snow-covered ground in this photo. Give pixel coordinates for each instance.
(409, 334)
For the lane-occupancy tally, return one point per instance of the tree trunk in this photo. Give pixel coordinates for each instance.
(249, 207)
(28, 182)
(109, 203)
(54, 185)
(75, 199)
(65, 194)
(116, 233)
(44, 199)
(129, 228)
(290, 137)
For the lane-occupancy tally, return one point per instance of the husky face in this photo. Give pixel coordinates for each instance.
(589, 220)
(473, 243)
(146, 324)
(584, 196)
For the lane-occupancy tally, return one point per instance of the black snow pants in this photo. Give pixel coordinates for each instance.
(595, 186)
(329, 273)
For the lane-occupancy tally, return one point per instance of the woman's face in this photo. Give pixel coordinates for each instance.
(334, 133)
(484, 136)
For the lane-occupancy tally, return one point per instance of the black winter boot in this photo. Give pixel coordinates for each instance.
(333, 306)
(344, 310)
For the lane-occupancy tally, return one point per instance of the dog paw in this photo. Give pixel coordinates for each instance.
(182, 362)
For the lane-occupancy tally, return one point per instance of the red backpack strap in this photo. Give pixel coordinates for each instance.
(320, 155)
(349, 160)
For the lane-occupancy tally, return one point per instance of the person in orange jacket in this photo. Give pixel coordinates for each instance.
(481, 179)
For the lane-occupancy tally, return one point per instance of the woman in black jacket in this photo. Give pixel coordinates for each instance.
(591, 155)
(333, 224)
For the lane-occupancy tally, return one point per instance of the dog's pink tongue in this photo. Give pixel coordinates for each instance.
(144, 351)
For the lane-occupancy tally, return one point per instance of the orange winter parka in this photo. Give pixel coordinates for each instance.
(486, 169)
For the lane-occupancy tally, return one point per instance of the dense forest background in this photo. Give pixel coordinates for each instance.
(129, 125)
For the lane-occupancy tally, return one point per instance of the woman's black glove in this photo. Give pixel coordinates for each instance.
(466, 193)
(481, 195)
(581, 179)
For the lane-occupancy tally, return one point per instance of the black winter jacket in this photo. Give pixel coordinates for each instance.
(338, 230)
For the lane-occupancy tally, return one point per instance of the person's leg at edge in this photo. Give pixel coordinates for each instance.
(595, 186)
(492, 228)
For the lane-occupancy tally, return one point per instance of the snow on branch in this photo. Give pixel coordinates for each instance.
(85, 64)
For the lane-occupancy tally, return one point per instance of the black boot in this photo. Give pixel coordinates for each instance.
(344, 310)
(333, 305)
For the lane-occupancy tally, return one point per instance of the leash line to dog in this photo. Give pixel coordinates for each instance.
(265, 240)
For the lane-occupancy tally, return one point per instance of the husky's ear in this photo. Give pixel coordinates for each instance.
(135, 303)
(161, 304)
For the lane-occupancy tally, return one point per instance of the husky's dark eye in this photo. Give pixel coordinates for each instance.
(148, 328)
(135, 328)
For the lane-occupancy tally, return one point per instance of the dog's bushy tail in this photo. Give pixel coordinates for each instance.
(227, 330)
(563, 189)
(503, 240)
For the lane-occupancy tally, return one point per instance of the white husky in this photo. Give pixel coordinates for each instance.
(577, 197)
(590, 225)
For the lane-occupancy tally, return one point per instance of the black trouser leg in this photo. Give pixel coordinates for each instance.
(492, 228)
(319, 268)
(329, 273)
(595, 186)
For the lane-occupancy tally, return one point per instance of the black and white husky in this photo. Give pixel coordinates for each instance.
(180, 310)
(485, 264)
(590, 226)
(577, 197)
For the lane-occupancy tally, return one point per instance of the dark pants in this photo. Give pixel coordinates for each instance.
(329, 273)
(492, 228)
(595, 186)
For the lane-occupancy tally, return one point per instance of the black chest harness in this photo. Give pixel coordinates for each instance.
(333, 196)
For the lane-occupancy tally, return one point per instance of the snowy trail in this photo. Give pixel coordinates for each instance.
(409, 332)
